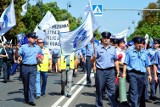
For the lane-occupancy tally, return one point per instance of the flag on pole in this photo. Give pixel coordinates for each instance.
(146, 38)
(24, 8)
(47, 21)
(7, 20)
(74, 40)
(122, 34)
(151, 44)
(87, 9)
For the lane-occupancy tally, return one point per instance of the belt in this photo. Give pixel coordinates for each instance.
(88, 56)
(137, 72)
(29, 64)
(106, 68)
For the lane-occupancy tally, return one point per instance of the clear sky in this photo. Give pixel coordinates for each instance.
(113, 21)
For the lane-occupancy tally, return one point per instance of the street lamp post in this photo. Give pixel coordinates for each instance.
(68, 5)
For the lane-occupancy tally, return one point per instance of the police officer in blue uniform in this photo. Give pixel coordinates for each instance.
(144, 47)
(29, 53)
(89, 52)
(7, 54)
(136, 62)
(106, 60)
(156, 69)
(1, 58)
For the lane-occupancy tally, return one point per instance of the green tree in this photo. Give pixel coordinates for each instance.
(35, 14)
(149, 23)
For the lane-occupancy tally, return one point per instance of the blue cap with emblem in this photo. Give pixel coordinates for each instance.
(136, 39)
(106, 34)
(121, 40)
(156, 41)
(32, 35)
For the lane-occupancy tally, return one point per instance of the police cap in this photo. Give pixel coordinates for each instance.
(142, 40)
(32, 35)
(106, 34)
(8, 43)
(136, 39)
(121, 40)
(130, 43)
(156, 41)
(115, 40)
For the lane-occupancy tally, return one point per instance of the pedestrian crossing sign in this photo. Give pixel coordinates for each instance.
(97, 10)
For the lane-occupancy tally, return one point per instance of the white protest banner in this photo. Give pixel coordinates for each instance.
(52, 34)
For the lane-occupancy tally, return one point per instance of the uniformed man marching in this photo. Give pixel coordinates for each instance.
(29, 53)
(136, 62)
(8, 58)
(106, 59)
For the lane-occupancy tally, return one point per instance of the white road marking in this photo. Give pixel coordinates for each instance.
(76, 93)
(61, 98)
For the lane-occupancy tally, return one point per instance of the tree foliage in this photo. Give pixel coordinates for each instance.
(150, 23)
(34, 15)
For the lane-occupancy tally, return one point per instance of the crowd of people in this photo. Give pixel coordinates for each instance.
(109, 58)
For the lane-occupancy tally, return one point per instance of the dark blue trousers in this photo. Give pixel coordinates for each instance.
(1, 62)
(6, 69)
(44, 76)
(146, 86)
(89, 66)
(136, 89)
(105, 78)
(152, 86)
(29, 79)
(158, 75)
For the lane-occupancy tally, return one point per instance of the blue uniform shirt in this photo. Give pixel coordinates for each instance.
(105, 57)
(83, 51)
(29, 53)
(90, 49)
(157, 60)
(137, 60)
(151, 53)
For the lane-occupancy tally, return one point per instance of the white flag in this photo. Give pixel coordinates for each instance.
(146, 38)
(47, 21)
(74, 40)
(122, 34)
(7, 20)
(151, 42)
(87, 9)
(24, 8)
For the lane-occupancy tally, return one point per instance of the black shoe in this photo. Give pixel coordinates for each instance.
(5, 81)
(89, 84)
(148, 101)
(104, 96)
(62, 92)
(32, 103)
(153, 98)
(37, 97)
(43, 94)
(67, 95)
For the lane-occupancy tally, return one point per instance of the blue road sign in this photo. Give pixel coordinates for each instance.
(97, 10)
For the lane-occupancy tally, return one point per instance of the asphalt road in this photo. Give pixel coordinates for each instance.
(11, 94)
